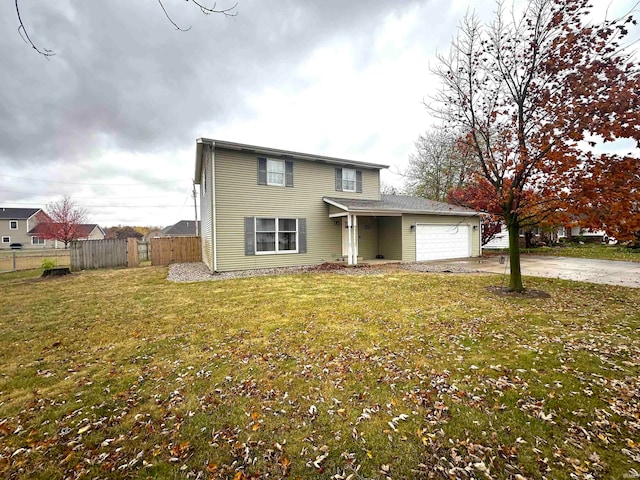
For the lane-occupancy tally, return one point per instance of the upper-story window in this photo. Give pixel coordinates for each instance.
(13, 224)
(348, 180)
(275, 172)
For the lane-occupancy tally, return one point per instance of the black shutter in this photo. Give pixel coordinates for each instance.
(262, 171)
(288, 175)
(249, 236)
(338, 179)
(359, 181)
(302, 235)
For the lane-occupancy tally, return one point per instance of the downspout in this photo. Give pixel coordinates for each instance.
(480, 225)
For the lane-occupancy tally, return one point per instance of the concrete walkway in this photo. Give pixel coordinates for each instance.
(609, 272)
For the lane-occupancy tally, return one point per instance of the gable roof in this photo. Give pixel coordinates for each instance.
(17, 213)
(84, 229)
(399, 204)
(274, 153)
(183, 228)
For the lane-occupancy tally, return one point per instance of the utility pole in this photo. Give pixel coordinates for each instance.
(195, 207)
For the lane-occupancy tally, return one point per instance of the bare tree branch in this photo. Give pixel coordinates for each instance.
(46, 53)
(166, 14)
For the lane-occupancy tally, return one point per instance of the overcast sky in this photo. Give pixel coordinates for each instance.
(112, 118)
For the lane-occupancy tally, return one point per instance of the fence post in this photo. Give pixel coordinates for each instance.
(14, 261)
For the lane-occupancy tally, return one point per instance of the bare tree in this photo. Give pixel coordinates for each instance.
(206, 10)
(440, 162)
(390, 189)
(64, 221)
(527, 89)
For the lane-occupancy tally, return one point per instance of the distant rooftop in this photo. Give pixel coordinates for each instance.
(184, 228)
(17, 213)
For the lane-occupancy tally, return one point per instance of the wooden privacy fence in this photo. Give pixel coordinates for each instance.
(175, 249)
(92, 254)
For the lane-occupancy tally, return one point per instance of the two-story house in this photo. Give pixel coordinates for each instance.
(265, 207)
(15, 225)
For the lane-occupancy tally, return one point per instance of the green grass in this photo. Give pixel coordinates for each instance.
(588, 250)
(120, 373)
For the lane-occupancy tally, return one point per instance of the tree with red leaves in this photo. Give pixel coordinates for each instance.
(530, 90)
(63, 221)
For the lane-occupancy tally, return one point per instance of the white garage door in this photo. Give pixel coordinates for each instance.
(437, 242)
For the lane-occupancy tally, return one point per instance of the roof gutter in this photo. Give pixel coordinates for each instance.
(241, 147)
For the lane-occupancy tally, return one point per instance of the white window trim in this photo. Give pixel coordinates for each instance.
(10, 225)
(344, 180)
(44, 240)
(284, 173)
(8, 239)
(277, 231)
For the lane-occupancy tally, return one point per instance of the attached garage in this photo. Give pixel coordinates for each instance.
(443, 241)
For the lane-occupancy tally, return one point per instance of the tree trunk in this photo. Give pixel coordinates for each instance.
(515, 279)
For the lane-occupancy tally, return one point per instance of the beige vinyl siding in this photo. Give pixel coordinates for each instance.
(367, 237)
(390, 237)
(333, 210)
(96, 234)
(238, 196)
(17, 236)
(409, 236)
(206, 207)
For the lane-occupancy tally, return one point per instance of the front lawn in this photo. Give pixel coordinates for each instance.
(119, 373)
(588, 250)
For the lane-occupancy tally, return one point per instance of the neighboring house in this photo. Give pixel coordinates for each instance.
(153, 233)
(499, 241)
(86, 231)
(184, 228)
(264, 207)
(589, 236)
(91, 231)
(15, 225)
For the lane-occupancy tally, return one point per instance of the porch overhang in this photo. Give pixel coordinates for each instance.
(393, 207)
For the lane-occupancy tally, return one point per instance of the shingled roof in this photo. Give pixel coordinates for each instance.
(184, 228)
(17, 213)
(399, 204)
(84, 229)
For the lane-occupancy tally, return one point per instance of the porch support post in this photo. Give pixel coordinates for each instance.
(355, 239)
(349, 241)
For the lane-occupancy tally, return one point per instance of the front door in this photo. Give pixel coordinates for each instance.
(345, 237)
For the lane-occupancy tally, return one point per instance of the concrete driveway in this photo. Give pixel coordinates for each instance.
(607, 272)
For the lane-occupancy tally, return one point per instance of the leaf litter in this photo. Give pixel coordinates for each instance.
(410, 386)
